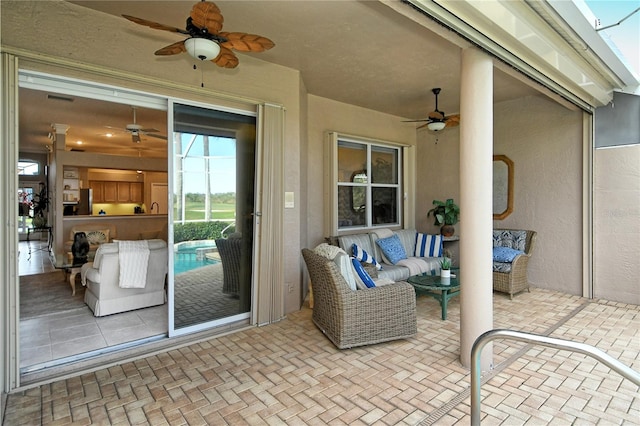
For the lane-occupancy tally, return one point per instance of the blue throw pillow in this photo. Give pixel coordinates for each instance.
(428, 245)
(366, 279)
(392, 248)
(505, 254)
(365, 257)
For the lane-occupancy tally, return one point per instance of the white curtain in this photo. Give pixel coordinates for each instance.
(269, 264)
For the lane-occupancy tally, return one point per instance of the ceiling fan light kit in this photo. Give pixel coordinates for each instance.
(207, 41)
(135, 136)
(436, 126)
(202, 48)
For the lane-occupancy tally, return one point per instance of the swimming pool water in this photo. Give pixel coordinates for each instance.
(185, 259)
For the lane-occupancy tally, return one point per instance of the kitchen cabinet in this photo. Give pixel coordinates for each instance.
(117, 192)
(136, 192)
(124, 192)
(110, 192)
(98, 191)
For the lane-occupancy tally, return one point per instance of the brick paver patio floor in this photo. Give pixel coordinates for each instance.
(289, 373)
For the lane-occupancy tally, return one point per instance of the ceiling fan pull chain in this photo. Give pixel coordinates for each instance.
(195, 67)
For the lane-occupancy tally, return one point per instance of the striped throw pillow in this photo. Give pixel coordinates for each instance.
(428, 245)
(365, 257)
(362, 274)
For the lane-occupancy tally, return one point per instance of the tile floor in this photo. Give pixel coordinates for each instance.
(59, 336)
(289, 373)
(33, 257)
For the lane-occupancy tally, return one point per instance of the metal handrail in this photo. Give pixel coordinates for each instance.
(552, 342)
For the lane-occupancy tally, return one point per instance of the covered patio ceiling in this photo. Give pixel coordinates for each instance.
(381, 55)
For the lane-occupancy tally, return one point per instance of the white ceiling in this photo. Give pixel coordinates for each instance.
(362, 53)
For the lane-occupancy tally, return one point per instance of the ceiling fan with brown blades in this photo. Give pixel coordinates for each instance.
(206, 41)
(437, 120)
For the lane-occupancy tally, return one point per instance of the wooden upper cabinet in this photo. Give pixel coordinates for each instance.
(136, 192)
(98, 191)
(117, 192)
(110, 192)
(124, 192)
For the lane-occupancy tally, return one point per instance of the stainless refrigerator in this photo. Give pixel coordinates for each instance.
(85, 202)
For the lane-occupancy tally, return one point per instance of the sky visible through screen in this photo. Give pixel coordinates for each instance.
(626, 36)
(222, 170)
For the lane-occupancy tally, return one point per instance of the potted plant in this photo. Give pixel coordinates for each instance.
(40, 204)
(446, 215)
(445, 267)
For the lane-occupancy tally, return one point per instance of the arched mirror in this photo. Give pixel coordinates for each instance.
(502, 187)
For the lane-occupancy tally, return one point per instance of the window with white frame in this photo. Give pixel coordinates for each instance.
(367, 183)
(28, 168)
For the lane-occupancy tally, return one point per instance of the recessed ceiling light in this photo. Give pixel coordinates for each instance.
(109, 135)
(79, 142)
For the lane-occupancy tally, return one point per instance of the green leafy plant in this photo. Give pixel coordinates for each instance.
(445, 263)
(445, 212)
(40, 201)
(192, 231)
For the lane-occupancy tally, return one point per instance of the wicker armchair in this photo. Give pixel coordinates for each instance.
(229, 250)
(515, 279)
(352, 318)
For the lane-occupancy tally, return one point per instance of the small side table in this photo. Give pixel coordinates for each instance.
(48, 230)
(67, 262)
(436, 287)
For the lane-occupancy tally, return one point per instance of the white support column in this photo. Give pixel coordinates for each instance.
(476, 206)
(56, 183)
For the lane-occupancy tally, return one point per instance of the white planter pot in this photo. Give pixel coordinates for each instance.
(445, 273)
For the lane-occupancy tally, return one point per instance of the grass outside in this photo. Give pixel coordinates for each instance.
(219, 211)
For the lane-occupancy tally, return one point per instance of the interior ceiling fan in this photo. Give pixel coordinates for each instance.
(136, 130)
(437, 120)
(206, 41)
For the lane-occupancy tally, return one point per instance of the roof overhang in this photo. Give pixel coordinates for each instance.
(550, 41)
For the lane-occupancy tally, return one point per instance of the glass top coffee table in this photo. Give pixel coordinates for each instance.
(441, 289)
(70, 265)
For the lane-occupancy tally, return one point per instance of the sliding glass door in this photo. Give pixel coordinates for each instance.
(213, 194)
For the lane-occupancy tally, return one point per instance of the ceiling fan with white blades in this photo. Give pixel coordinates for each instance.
(136, 130)
(437, 121)
(206, 41)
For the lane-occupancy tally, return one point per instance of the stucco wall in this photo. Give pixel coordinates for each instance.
(547, 183)
(617, 224)
(326, 115)
(438, 173)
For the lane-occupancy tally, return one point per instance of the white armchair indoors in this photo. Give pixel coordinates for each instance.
(110, 289)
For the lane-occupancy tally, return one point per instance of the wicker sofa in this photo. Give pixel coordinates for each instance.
(396, 272)
(511, 277)
(351, 318)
